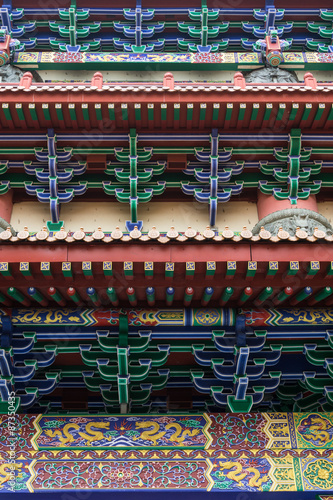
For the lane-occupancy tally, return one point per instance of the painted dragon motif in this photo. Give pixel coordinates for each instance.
(44, 316)
(176, 436)
(95, 435)
(256, 480)
(91, 437)
(154, 435)
(238, 474)
(318, 429)
(6, 475)
(68, 436)
(315, 428)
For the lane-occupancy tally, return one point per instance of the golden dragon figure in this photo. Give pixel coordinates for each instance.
(64, 440)
(92, 436)
(50, 316)
(154, 435)
(176, 435)
(6, 475)
(238, 474)
(318, 429)
(256, 480)
(95, 435)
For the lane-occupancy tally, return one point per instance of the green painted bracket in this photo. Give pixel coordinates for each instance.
(136, 344)
(240, 406)
(317, 385)
(136, 373)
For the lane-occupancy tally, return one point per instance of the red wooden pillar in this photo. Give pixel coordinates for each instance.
(169, 81)
(268, 204)
(6, 205)
(97, 80)
(26, 80)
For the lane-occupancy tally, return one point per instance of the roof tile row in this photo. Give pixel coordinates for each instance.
(154, 235)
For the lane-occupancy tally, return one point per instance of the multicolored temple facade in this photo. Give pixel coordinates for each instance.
(166, 249)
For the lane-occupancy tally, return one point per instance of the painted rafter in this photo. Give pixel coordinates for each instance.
(12, 24)
(75, 29)
(295, 175)
(271, 27)
(202, 30)
(137, 193)
(235, 367)
(324, 31)
(215, 179)
(214, 176)
(54, 173)
(139, 29)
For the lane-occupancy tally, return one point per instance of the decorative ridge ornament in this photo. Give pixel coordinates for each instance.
(117, 234)
(274, 227)
(172, 233)
(293, 221)
(270, 74)
(6, 234)
(135, 233)
(5, 226)
(227, 233)
(98, 235)
(246, 233)
(24, 234)
(61, 235)
(153, 233)
(190, 232)
(208, 233)
(79, 235)
(43, 234)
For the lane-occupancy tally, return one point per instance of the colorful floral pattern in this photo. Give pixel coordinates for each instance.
(220, 452)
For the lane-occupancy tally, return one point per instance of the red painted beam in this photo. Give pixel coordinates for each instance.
(142, 253)
(201, 253)
(34, 253)
(288, 251)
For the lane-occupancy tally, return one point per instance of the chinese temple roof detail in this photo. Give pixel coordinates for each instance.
(236, 361)
(164, 237)
(197, 28)
(171, 327)
(133, 166)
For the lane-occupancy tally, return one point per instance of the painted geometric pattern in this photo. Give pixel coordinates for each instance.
(110, 317)
(227, 58)
(120, 57)
(216, 452)
(118, 475)
(203, 32)
(220, 431)
(125, 432)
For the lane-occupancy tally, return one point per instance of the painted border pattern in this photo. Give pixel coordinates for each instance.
(232, 59)
(219, 452)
